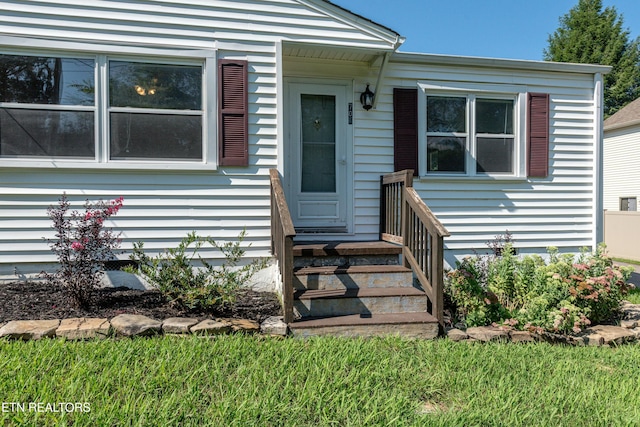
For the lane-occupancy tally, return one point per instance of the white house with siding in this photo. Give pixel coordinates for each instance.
(183, 107)
(621, 160)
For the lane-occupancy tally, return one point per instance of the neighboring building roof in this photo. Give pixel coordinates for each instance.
(627, 116)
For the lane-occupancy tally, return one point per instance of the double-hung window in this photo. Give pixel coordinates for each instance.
(467, 133)
(111, 110)
(155, 111)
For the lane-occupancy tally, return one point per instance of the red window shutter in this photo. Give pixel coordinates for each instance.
(538, 135)
(405, 129)
(233, 121)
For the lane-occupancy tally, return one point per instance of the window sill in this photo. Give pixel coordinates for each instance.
(121, 165)
(474, 178)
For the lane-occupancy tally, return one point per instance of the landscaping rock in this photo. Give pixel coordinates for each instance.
(274, 325)
(578, 340)
(130, 325)
(630, 311)
(628, 324)
(211, 327)
(552, 338)
(178, 325)
(83, 328)
(612, 335)
(488, 333)
(243, 325)
(29, 329)
(593, 340)
(522, 336)
(457, 335)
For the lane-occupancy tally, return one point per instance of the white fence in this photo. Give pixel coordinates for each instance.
(622, 234)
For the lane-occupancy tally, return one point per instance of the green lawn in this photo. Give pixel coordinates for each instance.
(633, 296)
(257, 381)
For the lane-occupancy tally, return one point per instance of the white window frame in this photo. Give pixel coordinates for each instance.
(471, 91)
(102, 54)
(630, 202)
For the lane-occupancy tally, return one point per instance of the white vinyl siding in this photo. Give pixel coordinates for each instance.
(621, 165)
(553, 211)
(162, 205)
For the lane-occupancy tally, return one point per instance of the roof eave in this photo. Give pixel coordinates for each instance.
(622, 125)
(392, 37)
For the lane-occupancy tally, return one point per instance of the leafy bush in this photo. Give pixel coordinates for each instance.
(82, 246)
(206, 287)
(564, 294)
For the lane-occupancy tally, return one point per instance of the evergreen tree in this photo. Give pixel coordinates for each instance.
(590, 35)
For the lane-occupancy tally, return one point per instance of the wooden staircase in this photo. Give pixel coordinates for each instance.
(387, 287)
(357, 289)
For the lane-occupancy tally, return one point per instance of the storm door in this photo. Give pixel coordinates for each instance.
(318, 157)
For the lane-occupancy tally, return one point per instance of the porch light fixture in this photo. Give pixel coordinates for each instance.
(366, 98)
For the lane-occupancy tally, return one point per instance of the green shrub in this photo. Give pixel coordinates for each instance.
(206, 287)
(565, 294)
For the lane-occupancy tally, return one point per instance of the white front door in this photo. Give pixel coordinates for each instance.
(317, 170)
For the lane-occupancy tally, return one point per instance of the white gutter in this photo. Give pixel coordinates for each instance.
(426, 58)
(383, 67)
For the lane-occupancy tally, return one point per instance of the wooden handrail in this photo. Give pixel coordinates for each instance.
(282, 234)
(405, 219)
(391, 201)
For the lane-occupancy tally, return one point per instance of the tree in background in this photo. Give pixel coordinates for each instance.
(590, 35)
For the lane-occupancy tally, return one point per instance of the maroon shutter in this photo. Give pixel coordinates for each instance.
(405, 129)
(538, 135)
(233, 127)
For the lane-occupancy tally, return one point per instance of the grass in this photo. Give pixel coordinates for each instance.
(255, 381)
(633, 296)
(627, 261)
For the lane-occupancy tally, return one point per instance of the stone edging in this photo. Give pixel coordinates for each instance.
(132, 325)
(599, 335)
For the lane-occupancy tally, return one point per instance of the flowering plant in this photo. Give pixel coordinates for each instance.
(564, 294)
(82, 245)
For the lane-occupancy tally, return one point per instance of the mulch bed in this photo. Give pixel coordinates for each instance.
(34, 300)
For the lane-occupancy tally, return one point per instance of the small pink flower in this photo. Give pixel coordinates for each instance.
(77, 246)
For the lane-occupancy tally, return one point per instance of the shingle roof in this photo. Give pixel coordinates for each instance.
(627, 116)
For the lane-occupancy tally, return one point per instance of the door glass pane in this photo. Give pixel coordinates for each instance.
(318, 143)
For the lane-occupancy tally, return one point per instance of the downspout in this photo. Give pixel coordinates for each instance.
(598, 213)
(383, 67)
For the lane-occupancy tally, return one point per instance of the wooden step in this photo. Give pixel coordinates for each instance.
(411, 325)
(341, 302)
(359, 276)
(345, 248)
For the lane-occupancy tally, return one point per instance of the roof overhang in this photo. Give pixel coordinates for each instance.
(423, 58)
(326, 52)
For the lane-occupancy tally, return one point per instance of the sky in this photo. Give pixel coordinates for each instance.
(515, 29)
